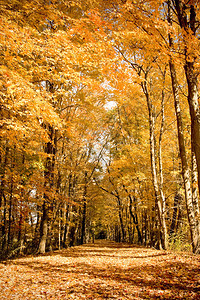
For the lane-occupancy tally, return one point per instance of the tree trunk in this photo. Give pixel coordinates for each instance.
(194, 112)
(84, 210)
(159, 205)
(163, 200)
(185, 168)
(2, 186)
(121, 219)
(135, 219)
(10, 214)
(4, 226)
(189, 28)
(3, 201)
(50, 149)
(195, 196)
(20, 238)
(177, 201)
(43, 229)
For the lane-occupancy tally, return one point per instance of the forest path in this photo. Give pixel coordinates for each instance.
(103, 270)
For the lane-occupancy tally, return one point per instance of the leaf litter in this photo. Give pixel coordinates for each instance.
(103, 270)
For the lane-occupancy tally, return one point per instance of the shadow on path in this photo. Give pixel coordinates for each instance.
(107, 270)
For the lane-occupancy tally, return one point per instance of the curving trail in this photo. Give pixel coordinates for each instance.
(103, 270)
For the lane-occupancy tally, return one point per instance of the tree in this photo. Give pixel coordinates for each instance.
(194, 224)
(86, 111)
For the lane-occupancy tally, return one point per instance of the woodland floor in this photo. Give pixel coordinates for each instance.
(104, 270)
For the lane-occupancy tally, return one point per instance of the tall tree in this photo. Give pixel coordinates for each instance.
(194, 224)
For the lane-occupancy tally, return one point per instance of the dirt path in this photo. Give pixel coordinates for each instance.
(104, 270)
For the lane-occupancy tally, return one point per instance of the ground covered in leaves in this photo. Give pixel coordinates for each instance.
(104, 270)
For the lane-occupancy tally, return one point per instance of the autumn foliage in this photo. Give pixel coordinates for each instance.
(104, 270)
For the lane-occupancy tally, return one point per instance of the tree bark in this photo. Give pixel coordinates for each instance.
(43, 229)
(135, 219)
(121, 219)
(50, 149)
(10, 215)
(159, 204)
(195, 196)
(185, 168)
(177, 201)
(84, 210)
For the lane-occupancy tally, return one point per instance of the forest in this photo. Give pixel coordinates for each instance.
(99, 124)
